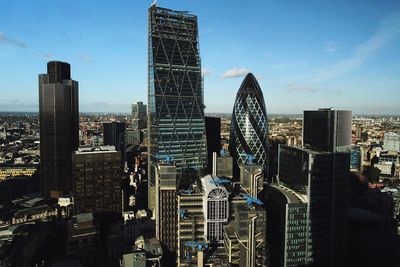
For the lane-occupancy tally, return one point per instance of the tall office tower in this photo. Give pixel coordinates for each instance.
(320, 171)
(139, 115)
(327, 130)
(165, 210)
(213, 133)
(287, 226)
(175, 92)
(114, 134)
(59, 127)
(97, 180)
(249, 126)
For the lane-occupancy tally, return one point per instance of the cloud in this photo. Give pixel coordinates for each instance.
(5, 40)
(290, 87)
(47, 55)
(234, 73)
(205, 72)
(331, 46)
(85, 58)
(388, 30)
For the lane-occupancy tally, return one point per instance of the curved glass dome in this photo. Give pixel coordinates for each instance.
(249, 125)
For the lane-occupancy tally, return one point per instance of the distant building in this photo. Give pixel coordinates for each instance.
(114, 134)
(97, 180)
(224, 166)
(59, 127)
(139, 116)
(249, 126)
(355, 157)
(391, 142)
(213, 134)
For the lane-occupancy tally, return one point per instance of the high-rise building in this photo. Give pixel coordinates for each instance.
(97, 180)
(165, 210)
(213, 133)
(175, 92)
(139, 115)
(114, 134)
(59, 127)
(326, 129)
(287, 226)
(314, 180)
(249, 126)
(391, 142)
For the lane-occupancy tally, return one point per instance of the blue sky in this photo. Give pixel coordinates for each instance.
(306, 54)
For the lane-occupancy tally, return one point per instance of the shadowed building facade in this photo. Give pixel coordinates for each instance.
(175, 94)
(249, 126)
(59, 127)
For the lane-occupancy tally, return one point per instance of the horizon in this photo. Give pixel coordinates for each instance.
(345, 61)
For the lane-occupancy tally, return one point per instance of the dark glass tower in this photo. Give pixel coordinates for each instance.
(249, 126)
(114, 134)
(175, 93)
(59, 127)
(213, 133)
(307, 209)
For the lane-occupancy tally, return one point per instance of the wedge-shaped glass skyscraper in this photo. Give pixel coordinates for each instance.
(175, 95)
(249, 126)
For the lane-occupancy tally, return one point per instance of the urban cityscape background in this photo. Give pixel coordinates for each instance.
(256, 164)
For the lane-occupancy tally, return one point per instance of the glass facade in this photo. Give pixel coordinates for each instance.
(59, 128)
(175, 95)
(249, 126)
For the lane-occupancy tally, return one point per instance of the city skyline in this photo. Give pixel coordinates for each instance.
(347, 58)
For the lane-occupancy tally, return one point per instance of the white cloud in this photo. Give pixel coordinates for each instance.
(205, 72)
(388, 30)
(331, 46)
(5, 40)
(234, 73)
(85, 58)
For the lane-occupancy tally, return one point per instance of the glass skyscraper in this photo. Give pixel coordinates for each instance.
(176, 127)
(249, 126)
(59, 128)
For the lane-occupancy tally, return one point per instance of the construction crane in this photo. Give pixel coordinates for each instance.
(251, 200)
(166, 158)
(182, 214)
(219, 181)
(197, 245)
(249, 158)
(187, 192)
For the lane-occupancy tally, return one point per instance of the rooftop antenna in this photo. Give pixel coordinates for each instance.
(154, 3)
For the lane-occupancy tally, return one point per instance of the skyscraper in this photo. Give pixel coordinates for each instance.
(249, 126)
(307, 210)
(139, 111)
(213, 133)
(59, 127)
(175, 93)
(114, 135)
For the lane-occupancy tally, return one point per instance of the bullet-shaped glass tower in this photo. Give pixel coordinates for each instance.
(249, 125)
